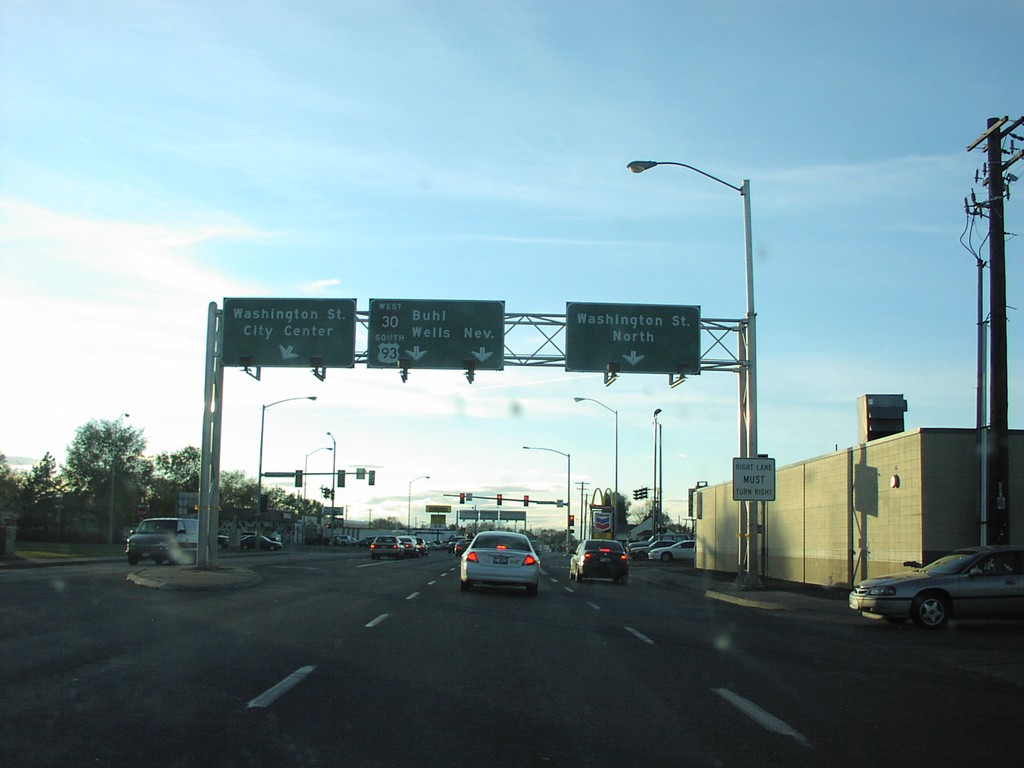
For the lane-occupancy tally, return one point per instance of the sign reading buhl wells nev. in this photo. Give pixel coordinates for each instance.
(632, 338)
(287, 333)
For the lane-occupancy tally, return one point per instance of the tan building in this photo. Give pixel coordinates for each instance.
(864, 511)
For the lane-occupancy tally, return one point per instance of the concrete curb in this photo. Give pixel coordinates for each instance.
(746, 602)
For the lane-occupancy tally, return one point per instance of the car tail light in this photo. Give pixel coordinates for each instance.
(605, 549)
(529, 560)
(587, 555)
(472, 558)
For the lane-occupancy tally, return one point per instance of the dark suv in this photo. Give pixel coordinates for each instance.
(599, 557)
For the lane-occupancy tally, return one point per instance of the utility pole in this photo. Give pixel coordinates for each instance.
(998, 502)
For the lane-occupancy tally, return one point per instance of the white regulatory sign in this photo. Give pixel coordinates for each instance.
(753, 479)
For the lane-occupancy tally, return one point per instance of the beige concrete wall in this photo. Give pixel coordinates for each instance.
(864, 511)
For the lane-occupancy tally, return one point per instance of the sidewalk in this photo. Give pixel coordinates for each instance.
(771, 596)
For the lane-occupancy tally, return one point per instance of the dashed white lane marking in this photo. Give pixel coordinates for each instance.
(640, 635)
(270, 695)
(764, 719)
(413, 596)
(432, 583)
(595, 606)
(377, 621)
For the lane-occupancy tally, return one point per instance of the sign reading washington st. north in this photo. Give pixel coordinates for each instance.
(286, 333)
(436, 334)
(454, 334)
(632, 338)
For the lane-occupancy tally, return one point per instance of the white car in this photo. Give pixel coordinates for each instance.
(681, 550)
(500, 558)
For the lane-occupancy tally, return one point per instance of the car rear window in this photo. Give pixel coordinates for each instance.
(596, 546)
(157, 526)
(494, 541)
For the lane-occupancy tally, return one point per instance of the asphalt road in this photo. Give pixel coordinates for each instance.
(334, 659)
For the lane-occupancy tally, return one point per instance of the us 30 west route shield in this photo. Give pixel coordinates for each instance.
(414, 333)
(632, 338)
(290, 333)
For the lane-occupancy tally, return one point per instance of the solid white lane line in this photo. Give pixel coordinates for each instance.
(268, 697)
(413, 596)
(377, 621)
(640, 635)
(764, 719)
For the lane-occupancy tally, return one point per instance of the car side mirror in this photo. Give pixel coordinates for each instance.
(975, 571)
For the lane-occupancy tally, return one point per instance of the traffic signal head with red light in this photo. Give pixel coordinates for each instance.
(462, 498)
(499, 499)
(526, 501)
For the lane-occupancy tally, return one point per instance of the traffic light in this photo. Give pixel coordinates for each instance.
(526, 501)
(640, 493)
(298, 478)
(499, 499)
(341, 478)
(325, 491)
(462, 498)
(371, 477)
(572, 523)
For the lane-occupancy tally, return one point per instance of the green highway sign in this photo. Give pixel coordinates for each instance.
(632, 338)
(290, 333)
(413, 333)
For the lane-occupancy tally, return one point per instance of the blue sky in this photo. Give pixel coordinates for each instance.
(157, 156)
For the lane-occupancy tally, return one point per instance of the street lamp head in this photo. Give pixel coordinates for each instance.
(311, 397)
(639, 166)
(656, 412)
(579, 399)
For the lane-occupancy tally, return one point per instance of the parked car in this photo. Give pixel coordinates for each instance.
(223, 541)
(639, 551)
(599, 558)
(342, 540)
(165, 540)
(266, 543)
(500, 558)
(681, 550)
(386, 546)
(976, 582)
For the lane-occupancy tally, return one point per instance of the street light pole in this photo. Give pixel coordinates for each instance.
(259, 470)
(615, 502)
(657, 502)
(747, 566)
(305, 467)
(113, 464)
(408, 514)
(568, 487)
(334, 480)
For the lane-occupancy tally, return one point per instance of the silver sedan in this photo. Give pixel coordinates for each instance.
(500, 558)
(976, 582)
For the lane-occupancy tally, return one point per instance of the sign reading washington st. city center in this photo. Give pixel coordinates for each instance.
(632, 338)
(436, 334)
(290, 332)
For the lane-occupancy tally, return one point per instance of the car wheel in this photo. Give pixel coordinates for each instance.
(666, 557)
(930, 611)
(133, 559)
(465, 586)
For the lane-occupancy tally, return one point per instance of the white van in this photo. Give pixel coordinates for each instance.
(165, 540)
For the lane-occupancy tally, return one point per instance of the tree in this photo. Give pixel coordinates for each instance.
(387, 524)
(172, 474)
(10, 488)
(237, 490)
(105, 464)
(41, 502)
